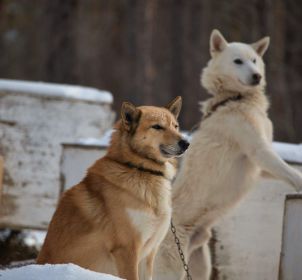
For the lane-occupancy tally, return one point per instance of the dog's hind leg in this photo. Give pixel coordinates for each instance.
(200, 237)
(200, 257)
(200, 263)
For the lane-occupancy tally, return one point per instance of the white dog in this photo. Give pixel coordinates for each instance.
(227, 154)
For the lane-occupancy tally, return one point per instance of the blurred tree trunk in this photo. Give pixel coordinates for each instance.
(59, 17)
(293, 67)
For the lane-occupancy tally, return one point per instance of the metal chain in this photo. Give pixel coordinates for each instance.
(181, 254)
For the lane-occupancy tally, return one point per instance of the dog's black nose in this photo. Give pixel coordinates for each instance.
(183, 144)
(256, 78)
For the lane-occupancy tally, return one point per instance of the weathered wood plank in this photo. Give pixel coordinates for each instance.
(291, 254)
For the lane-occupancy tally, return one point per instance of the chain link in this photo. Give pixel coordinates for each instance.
(181, 254)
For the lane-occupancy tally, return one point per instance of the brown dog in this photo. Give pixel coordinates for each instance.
(120, 212)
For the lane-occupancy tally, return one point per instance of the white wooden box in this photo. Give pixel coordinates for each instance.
(76, 158)
(291, 255)
(35, 118)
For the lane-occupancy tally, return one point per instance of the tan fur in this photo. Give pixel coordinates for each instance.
(119, 214)
(226, 156)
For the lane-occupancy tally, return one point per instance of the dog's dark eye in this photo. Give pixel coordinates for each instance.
(254, 60)
(157, 126)
(238, 61)
(176, 126)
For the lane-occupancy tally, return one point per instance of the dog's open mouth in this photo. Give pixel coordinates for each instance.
(251, 84)
(170, 151)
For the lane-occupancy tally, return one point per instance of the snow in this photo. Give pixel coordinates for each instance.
(34, 238)
(289, 152)
(103, 142)
(53, 272)
(52, 90)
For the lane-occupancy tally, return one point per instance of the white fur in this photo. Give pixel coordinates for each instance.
(225, 158)
(150, 230)
(147, 226)
(170, 171)
(143, 222)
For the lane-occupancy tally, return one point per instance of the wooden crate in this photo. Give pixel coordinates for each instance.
(76, 158)
(35, 119)
(249, 239)
(291, 254)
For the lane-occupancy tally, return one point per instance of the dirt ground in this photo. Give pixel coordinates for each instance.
(14, 249)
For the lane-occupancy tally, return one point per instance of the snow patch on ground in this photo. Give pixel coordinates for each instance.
(53, 272)
(52, 90)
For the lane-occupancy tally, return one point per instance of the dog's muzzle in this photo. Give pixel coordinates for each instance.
(175, 150)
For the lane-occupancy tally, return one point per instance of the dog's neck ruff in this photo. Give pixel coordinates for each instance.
(221, 103)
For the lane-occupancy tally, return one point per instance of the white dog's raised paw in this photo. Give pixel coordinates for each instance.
(298, 189)
(296, 181)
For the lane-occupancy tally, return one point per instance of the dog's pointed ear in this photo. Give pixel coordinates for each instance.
(217, 42)
(261, 46)
(175, 106)
(130, 115)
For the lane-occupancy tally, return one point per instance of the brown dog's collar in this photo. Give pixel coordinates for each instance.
(143, 169)
(222, 103)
